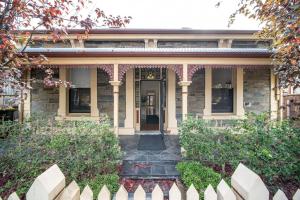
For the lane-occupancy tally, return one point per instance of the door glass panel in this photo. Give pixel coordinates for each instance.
(137, 74)
(150, 73)
(164, 73)
(137, 94)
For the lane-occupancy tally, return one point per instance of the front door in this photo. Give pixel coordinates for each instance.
(150, 105)
(150, 98)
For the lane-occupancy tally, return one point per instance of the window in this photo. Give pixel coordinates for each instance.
(80, 100)
(79, 93)
(250, 44)
(50, 44)
(222, 91)
(114, 44)
(188, 44)
(7, 96)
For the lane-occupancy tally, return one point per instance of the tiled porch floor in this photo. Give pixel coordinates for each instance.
(150, 164)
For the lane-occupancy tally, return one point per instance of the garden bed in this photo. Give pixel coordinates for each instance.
(85, 151)
(269, 148)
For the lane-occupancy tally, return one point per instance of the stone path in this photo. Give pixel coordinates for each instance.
(139, 164)
(150, 169)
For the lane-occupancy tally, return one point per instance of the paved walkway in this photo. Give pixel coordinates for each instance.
(150, 164)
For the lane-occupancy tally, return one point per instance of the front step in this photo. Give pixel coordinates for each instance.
(149, 169)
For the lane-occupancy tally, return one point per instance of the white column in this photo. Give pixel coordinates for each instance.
(281, 105)
(116, 84)
(27, 101)
(184, 85)
(273, 99)
(171, 104)
(240, 111)
(93, 86)
(62, 107)
(208, 92)
(129, 119)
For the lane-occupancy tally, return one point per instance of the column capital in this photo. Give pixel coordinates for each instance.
(185, 83)
(115, 83)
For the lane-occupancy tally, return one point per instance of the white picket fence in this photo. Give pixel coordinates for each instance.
(246, 185)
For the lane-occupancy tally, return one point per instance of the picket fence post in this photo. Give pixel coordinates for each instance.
(104, 194)
(279, 195)
(13, 196)
(87, 194)
(174, 193)
(248, 184)
(209, 193)
(47, 185)
(224, 192)
(72, 192)
(122, 194)
(157, 193)
(139, 194)
(192, 193)
(297, 195)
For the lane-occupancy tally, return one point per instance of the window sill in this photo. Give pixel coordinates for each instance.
(79, 114)
(78, 117)
(223, 116)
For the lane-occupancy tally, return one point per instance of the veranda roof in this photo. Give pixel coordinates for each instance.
(151, 52)
(148, 31)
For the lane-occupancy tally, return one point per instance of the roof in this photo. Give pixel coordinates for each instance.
(151, 52)
(151, 31)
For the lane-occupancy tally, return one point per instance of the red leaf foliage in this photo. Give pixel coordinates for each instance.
(55, 17)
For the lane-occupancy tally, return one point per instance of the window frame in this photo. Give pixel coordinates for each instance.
(75, 113)
(233, 95)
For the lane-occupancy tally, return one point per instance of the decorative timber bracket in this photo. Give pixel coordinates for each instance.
(177, 68)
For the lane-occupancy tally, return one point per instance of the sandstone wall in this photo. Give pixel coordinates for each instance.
(257, 90)
(43, 99)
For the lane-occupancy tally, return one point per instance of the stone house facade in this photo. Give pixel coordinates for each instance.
(151, 80)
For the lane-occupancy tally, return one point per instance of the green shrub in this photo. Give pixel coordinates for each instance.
(270, 148)
(10, 128)
(85, 151)
(97, 182)
(197, 174)
(205, 144)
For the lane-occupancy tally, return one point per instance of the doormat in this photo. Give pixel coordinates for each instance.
(151, 142)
